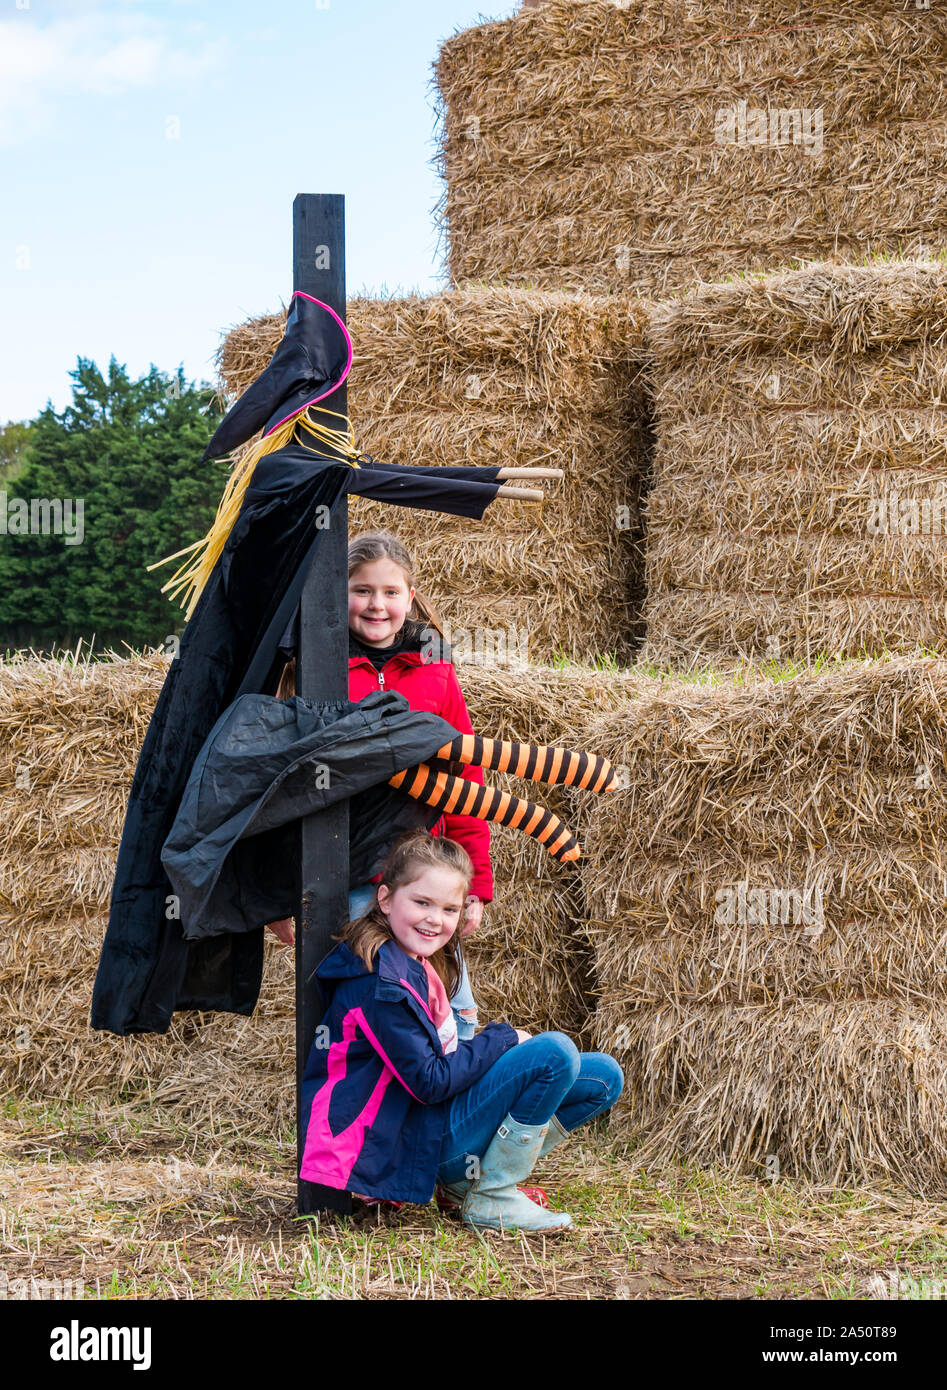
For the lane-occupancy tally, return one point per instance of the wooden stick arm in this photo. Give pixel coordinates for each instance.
(522, 494)
(507, 473)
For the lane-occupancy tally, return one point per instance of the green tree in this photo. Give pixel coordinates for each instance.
(14, 443)
(125, 454)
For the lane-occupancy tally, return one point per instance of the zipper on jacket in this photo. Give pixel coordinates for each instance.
(381, 680)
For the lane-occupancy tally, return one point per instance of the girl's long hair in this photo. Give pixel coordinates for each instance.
(369, 546)
(407, 859)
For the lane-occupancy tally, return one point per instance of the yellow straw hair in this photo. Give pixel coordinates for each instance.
(194, 574)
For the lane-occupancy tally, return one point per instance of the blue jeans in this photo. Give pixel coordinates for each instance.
(463, 1005)
(546, 1075)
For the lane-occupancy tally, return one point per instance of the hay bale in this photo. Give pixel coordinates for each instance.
(799, 503)
(211, 1068)
(848, 1091)
(826, 760)
(521, 379)
(707, 925)
(70, 739)
(769, 1017)
(617, 148)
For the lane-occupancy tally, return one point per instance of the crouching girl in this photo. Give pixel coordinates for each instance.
(393, 1103)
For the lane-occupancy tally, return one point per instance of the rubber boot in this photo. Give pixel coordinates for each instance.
(450, 1196)
(492, 1200)
(554, 1135)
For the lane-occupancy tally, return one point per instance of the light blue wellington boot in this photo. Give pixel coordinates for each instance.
(455, 1192)
(492, 1200)
(554, 1135)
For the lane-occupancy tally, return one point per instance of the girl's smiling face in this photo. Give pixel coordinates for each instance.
(379, 600)
(424, 914)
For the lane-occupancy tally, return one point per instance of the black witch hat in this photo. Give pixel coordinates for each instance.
(310, 363)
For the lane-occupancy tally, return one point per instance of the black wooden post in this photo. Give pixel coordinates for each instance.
(321, 674)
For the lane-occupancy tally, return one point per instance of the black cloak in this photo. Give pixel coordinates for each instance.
(149, 966)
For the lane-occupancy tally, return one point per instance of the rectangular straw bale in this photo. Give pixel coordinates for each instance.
(822, 760)
(211, 1066)
(757, 1023)
(516, 378)
(586, 144)
(707, 925)
(799, 505)
(838, 1092)
(814, 471)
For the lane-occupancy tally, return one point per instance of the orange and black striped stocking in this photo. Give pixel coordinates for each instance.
(459, 797)
(557, 767)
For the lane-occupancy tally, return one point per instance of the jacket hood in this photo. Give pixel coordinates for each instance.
(392, 964)
(341, 964)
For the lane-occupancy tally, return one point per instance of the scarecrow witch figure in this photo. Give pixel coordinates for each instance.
(227, 770)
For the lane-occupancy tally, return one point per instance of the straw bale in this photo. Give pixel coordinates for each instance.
(868, 920)
(851, 309)
(825, 759)
(794, 471)
(904, 377)
(579, 142)
(689, 630)
(803, 1016)
(521, 379)
(838, 1092)
(208, 1066)
(799, 504)
(817, 565)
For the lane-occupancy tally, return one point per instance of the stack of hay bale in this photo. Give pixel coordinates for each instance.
(765, 899)
(799, 502)
(519, 379)
(645, 147)
(758, 913)
(69, 742)
(766, 904)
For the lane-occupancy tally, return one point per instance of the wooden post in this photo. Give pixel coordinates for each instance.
(322, 673)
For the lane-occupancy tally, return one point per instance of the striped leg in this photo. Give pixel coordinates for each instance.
(456, 796)
(557, 767)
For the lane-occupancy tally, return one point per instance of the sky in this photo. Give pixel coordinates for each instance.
(150, 153)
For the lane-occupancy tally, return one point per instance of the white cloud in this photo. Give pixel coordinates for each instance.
(104, 53)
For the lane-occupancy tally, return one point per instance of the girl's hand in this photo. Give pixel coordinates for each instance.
(282, 929)
(522, 1035)
(474, 915)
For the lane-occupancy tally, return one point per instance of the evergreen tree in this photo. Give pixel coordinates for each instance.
(14, 443)
(126, 455)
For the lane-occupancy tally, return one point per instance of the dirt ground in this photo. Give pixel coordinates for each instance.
(136, 1207)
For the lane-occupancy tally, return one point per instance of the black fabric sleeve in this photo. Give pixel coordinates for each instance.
(434, 490)
(479, 473)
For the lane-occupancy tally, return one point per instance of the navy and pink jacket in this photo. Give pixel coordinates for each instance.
(433, 686)
(377, 1083)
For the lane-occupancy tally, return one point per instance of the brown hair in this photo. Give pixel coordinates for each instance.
(370, 546)
(407, 859)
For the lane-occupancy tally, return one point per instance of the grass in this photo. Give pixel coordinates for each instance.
(137, 1204)
(735, 675)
